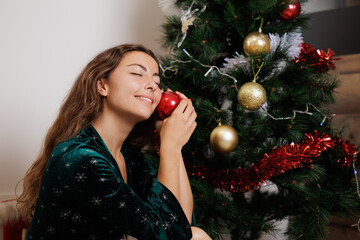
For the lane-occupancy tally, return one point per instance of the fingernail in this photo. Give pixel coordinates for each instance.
(190, 99)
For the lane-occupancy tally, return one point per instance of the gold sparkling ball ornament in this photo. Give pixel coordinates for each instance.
(256, 43)
(251, 96)
(224, 139)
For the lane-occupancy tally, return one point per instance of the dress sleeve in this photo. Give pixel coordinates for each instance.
(95, 181)
(142, 172)
(143, 175)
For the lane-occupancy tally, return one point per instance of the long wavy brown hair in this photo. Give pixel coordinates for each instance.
(79, 108)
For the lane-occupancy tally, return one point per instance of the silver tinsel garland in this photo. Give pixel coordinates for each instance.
(238, 62)
(169, 8)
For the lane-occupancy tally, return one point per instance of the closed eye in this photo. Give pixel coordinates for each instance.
(160, 85)
(140, 75)
(136, 74)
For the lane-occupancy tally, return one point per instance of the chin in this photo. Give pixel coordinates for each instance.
(145, 116)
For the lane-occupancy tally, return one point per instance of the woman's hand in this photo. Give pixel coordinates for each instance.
(176, 130)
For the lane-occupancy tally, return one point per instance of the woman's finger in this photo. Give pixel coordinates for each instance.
(190, 106)
(189, 110)
(181, 107)
(181, 94)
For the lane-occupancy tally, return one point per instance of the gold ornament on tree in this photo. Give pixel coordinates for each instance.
(256, 43)
(224, 139)
(252, 95)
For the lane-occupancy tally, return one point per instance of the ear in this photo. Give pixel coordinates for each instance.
(102, 87)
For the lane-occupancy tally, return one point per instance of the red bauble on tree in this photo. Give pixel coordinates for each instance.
(292, 11)
(167, 104)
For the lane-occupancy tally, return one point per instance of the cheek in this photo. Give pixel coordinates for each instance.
(157, 97)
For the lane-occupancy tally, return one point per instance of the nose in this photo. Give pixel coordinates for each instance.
(151, 84)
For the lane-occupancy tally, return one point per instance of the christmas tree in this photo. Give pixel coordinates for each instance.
(260, 94)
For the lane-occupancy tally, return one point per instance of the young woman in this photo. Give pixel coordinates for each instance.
(91, 181)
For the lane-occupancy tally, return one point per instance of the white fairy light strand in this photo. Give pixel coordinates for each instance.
(358, 193)
(325, 117)
(164, 69)
(356, 179)
(297, 111)
(211, 68)
(289, 118)
(172, 69)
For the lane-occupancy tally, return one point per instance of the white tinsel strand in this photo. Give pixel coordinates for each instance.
(279, 66)
(274, 44)
(295, 39)
(239, 62)
(290, 43)
(169, 8)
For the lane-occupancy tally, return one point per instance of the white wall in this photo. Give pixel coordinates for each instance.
(44, 44)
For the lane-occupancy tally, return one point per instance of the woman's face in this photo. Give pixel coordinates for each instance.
(132, 89)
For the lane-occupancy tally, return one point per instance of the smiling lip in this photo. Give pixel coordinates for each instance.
(145, 98)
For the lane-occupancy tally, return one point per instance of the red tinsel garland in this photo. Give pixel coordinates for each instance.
(316, 58)
(277, 162)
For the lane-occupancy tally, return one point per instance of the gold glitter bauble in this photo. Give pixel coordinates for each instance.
(256, 43)
(251, 96)
(224, 139)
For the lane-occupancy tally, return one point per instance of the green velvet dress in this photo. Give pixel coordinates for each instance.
(83, 196)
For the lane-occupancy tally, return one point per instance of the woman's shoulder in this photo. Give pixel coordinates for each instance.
(84, 146)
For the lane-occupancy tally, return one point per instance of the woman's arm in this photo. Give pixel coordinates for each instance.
(172, 173)
(186, 197)
(169, 169)
(174, 134)
(199, 234)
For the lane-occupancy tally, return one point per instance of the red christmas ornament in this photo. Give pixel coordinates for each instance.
(167, 104)
(292, 11)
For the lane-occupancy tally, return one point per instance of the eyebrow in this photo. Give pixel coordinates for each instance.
(143, 67)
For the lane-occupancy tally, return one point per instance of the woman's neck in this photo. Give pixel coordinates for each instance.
(113, 130)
